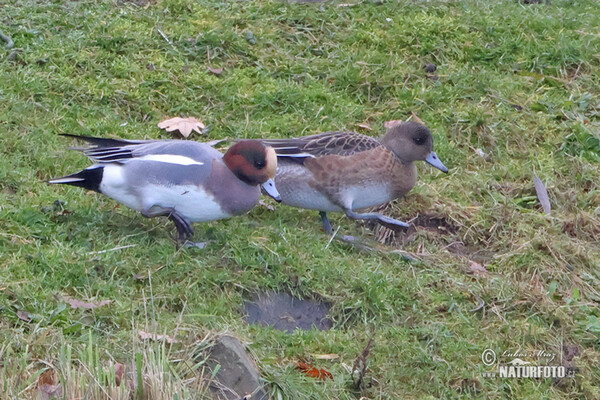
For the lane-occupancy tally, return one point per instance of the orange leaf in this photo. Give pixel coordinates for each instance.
(324, 374)
(302, 367)
(185, 126)
(313, 372)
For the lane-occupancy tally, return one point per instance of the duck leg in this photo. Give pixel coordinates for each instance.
(184, 229)
(382, 219)
(326, 224)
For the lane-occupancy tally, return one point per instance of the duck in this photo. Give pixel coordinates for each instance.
(348, 171)
(183, 180)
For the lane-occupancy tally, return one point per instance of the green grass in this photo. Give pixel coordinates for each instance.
(102, 68)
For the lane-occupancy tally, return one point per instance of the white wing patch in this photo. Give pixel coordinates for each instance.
(170, 159)
(297, 155)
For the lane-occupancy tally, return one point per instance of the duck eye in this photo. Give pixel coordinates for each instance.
(419, 140)
(259, 164)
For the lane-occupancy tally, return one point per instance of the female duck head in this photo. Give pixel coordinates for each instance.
(411, 141)
(251, 161)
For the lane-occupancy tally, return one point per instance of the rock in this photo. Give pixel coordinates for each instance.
(238, 375)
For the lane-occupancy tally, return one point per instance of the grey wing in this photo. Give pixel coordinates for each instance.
(105, 151)
(328, 143)
(201, 153)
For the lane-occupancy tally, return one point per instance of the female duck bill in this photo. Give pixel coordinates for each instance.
(434, 161)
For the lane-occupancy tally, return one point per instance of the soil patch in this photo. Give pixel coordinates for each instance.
(286, 313)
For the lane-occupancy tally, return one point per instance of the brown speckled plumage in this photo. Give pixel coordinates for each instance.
(345, 171)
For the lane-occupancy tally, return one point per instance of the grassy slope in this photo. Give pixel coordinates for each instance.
(86, 67)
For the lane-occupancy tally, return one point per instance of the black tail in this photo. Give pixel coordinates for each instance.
(88, 178)
(105, 142)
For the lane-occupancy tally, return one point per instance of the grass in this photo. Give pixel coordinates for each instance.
(518, 83)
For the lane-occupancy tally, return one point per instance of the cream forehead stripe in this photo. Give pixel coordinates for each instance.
(271, 161)
(170, 159)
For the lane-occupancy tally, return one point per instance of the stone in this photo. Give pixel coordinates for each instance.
(238, 374)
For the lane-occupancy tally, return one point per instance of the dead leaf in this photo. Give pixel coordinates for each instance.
(416, 118)
(157, 337)
(364, 126)
(477, 269)
(542, 194)
(266, 205)
(119, 368)
(75, 304)
(185, 126)
(313, 372)
(24, 316)
(332, 356)
(392, 123)
(46, 387)
(216, 71)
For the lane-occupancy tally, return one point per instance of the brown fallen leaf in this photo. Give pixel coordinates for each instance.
(119, 368)
(46, 386)
(216, 71)
(157, 337)
(392, 123)
(24, 316)
(364, 126)
(477, 269)
(185, 126)
(75, 303)
(542, 194)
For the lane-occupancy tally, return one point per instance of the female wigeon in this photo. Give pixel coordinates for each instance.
(346, 171)
(183, 180)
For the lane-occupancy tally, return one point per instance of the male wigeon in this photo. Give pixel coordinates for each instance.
(346, 171)
(183, 180)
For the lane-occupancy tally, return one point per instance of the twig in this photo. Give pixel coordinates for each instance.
(332, 237)
(164, 36)
(360, 365)
(113, 249)
(406, 255)
(356, 243)
(6, 39)
(95, 380)
(480, 304)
